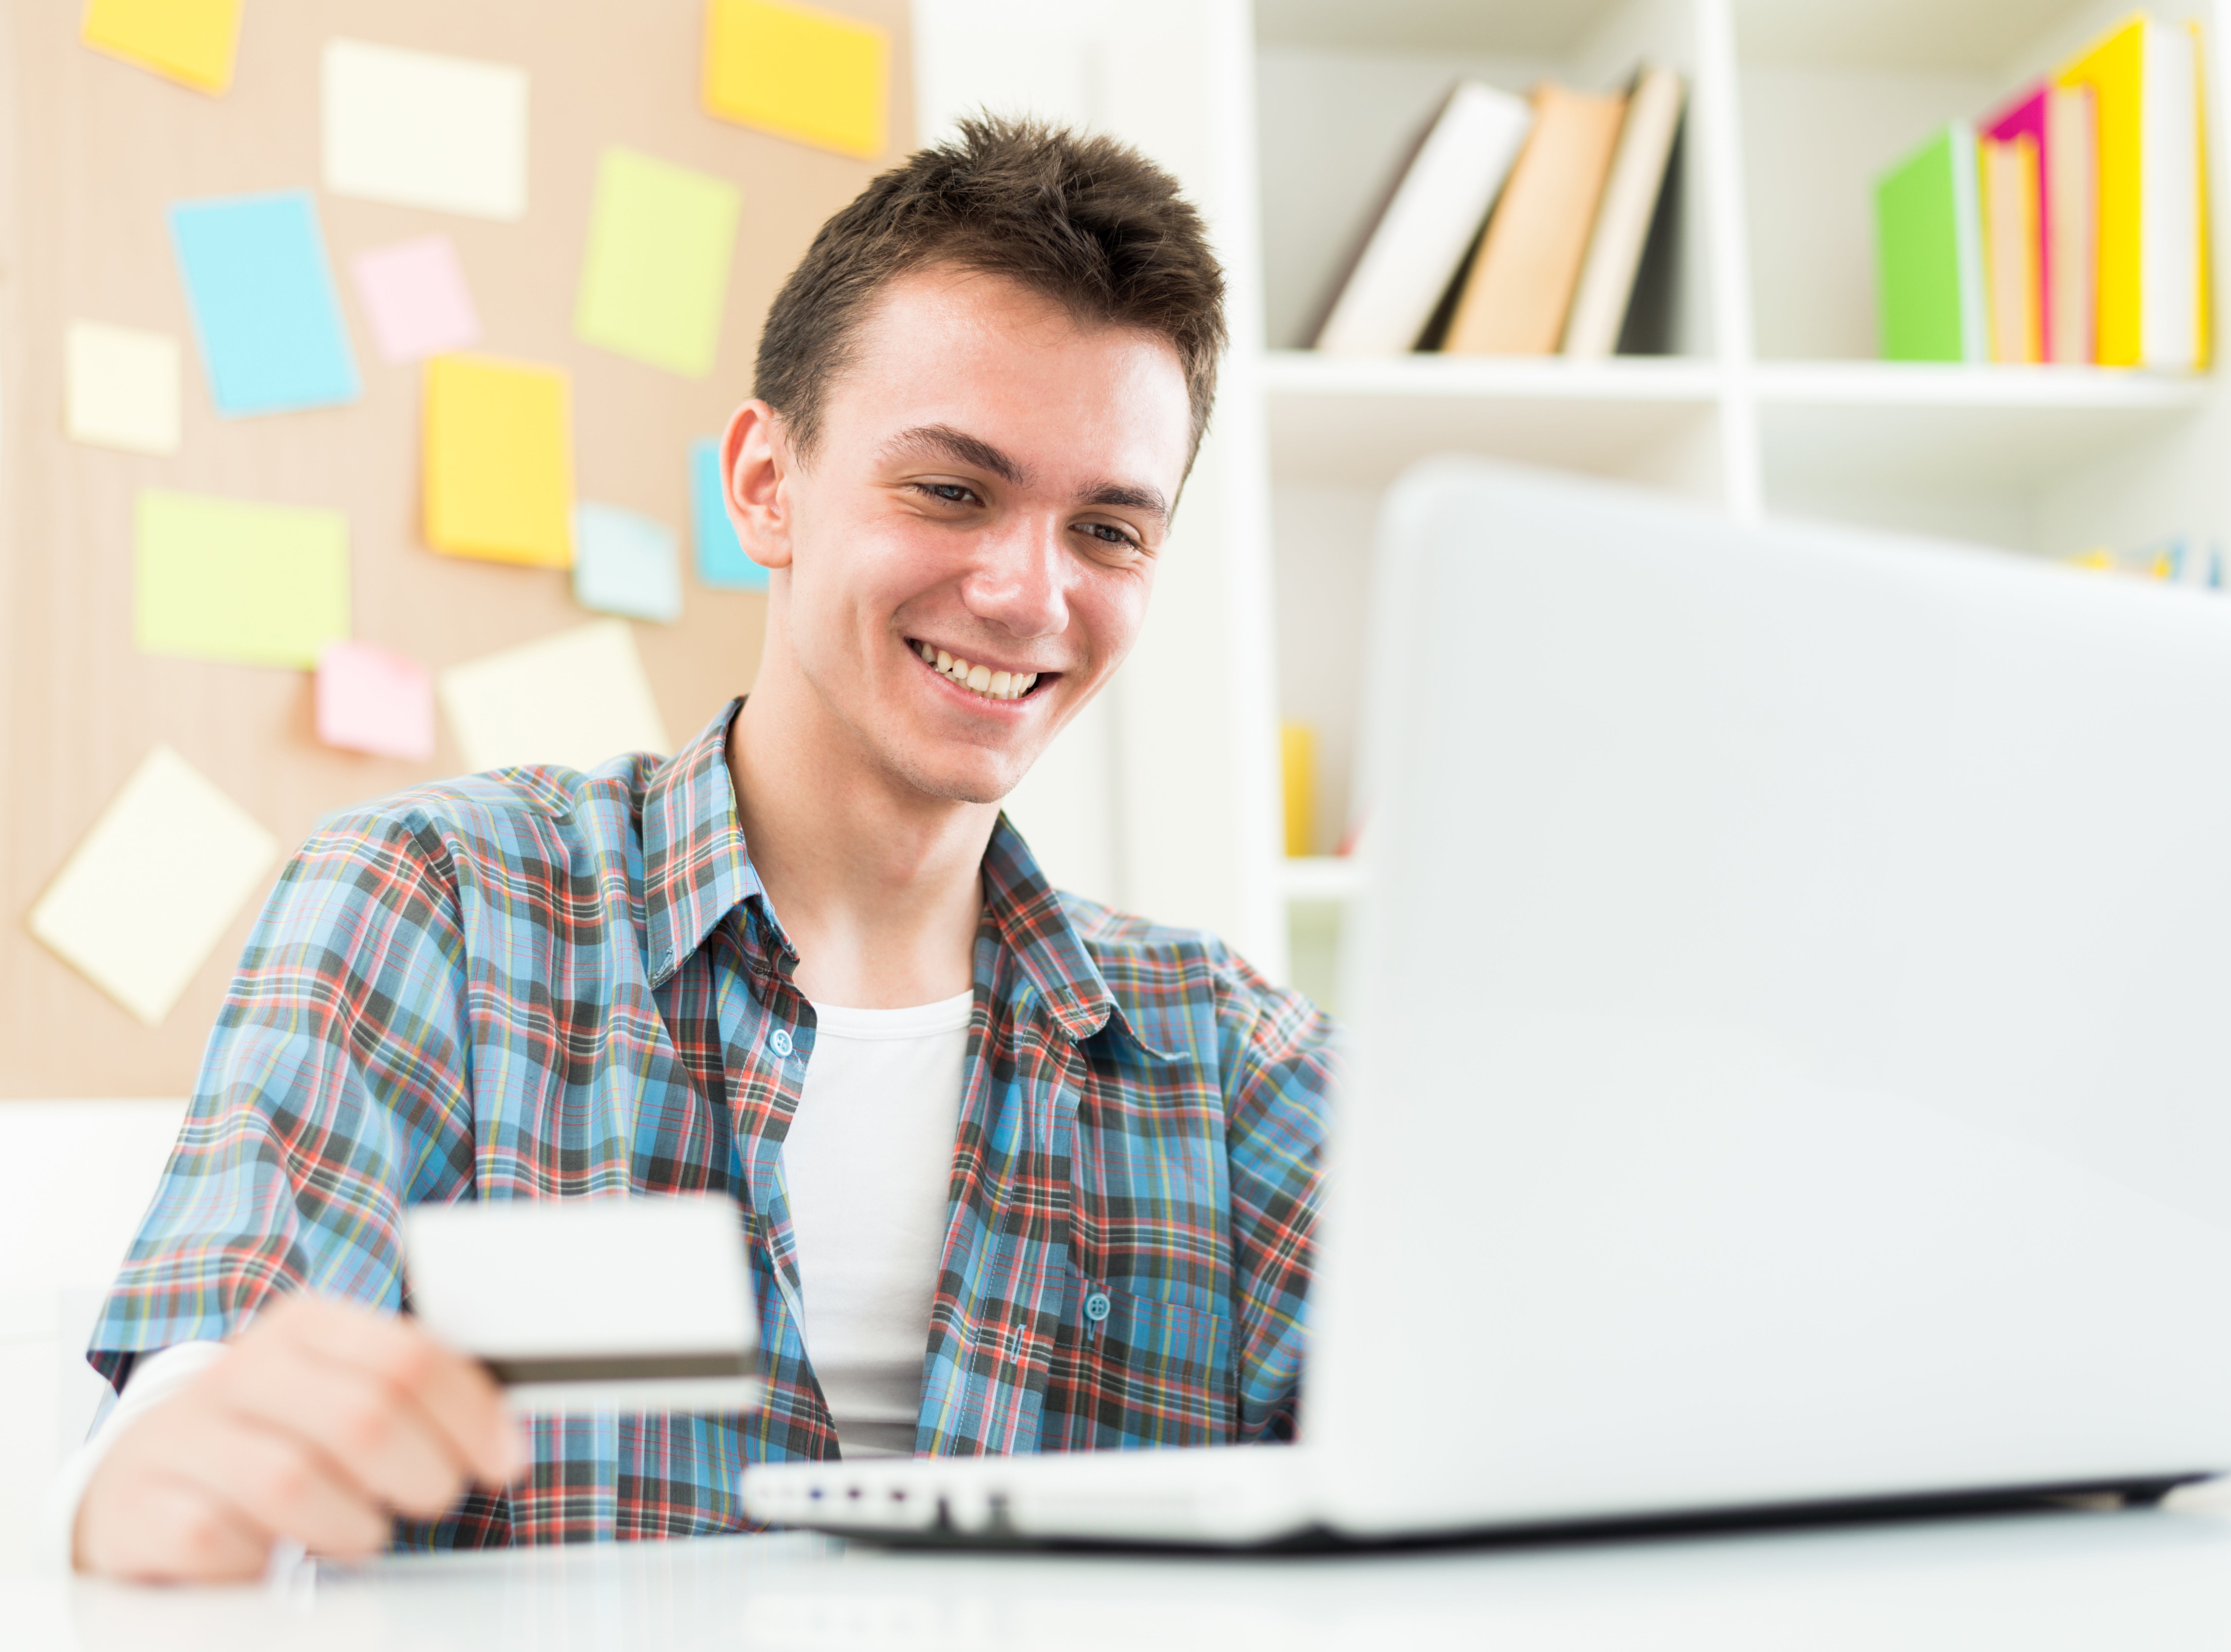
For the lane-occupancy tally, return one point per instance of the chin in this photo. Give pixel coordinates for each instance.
(968, 777)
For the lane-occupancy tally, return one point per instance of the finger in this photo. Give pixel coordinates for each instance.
(458, 1396)
(173, 1531)
(277, 1482)
(384, 1443)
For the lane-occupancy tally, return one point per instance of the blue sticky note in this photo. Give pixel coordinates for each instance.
(261, 293)
(626, 564)
(721, 559)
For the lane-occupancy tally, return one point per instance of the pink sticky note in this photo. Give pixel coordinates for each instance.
(417, 299)
(370, 699)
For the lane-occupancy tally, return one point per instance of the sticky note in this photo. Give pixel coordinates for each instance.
(261, 293)
(191, 41)
(253, 585)
(371, 699)
(147, 894)
(798, 72)
(415, 295)
(499, 460)
(655, 275)
(625, 563)
(419, 130)
(121, 387)
(574, 698)
(721, 563)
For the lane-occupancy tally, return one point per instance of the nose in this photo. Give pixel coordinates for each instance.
(1018, 582)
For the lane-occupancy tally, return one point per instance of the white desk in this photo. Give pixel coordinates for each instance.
(2140, 1580)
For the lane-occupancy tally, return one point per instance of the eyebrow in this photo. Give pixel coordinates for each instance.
(1148, 500)
(960, 447)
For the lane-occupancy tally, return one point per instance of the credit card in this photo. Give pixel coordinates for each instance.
(592, 1303)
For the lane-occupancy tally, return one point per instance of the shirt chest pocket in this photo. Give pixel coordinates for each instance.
(1143, 1370)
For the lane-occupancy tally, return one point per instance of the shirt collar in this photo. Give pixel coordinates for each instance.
(695, 871)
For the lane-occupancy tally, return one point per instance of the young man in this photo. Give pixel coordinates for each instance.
(1020, 1173)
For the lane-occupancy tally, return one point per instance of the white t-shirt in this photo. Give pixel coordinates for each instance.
(868, 1166)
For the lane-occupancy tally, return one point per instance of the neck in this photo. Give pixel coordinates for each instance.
(878, 885)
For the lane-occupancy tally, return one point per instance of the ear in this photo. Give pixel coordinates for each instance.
(758, 471)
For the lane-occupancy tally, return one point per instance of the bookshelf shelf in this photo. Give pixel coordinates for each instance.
(2081, 390)
(1359, 421)
(1321, 877)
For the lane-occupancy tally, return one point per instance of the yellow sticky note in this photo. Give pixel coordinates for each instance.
(499, 460)
(798, 72)
(146, 896)
(191, 42)
(253, 585)
(656, 276)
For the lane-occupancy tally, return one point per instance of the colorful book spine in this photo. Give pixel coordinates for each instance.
(1929, 253)
(2143, 78)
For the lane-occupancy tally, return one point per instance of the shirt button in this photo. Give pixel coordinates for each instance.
(1097, 1306)
(780, 1041)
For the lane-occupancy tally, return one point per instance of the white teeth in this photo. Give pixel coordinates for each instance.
(993, 684)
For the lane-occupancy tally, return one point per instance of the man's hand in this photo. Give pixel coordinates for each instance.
(321, 1422)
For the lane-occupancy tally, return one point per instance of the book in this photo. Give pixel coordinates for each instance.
(1414, 244)
(1929, 253)
(1297, 772)
(2144, 82)
(2068, 221)
(1520, 288)
(1623, 219)
(2011, 247)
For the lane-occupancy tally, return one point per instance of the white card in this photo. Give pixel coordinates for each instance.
(121, 387)
(144, 900)
(592, 1303)
(574, 699)
(424, 131)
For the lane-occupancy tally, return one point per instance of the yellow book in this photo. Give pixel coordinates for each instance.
(1297, 755)
(798, 72)
(191, 41)
(2144, 77)
(499, 460)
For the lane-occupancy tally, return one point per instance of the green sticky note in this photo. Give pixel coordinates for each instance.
(1929, 253)
(656, 276)
(253, 585)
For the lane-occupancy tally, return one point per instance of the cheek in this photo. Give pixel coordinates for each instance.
(1112, 607)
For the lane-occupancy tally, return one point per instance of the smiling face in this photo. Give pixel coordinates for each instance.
(965, 556)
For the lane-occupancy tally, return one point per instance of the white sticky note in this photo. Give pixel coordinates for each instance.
(425, 130)
(148, 895)
(121, 387)
(574, 699)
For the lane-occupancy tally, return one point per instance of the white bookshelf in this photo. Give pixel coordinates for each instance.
(1290, 115)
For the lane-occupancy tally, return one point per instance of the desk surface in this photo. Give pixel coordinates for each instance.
(2152, 1579)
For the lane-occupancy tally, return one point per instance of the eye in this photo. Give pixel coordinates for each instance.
(1108, 534)
(949, 492)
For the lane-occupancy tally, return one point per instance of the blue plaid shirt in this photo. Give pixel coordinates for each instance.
(541, 983)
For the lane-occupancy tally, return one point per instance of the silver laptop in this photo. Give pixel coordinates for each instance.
(1794, 1050)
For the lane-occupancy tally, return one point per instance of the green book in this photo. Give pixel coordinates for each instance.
(1929, 253)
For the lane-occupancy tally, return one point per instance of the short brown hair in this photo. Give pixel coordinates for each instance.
(1087, 222)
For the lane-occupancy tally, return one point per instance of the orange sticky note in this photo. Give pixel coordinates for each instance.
(191, 41)
(499, 460)
(798, 72)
